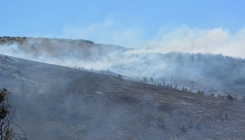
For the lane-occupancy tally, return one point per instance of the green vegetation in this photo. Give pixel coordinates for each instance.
(200, 92)
(185, 89)
(229, 97)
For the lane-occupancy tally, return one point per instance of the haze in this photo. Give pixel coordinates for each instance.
(165, 26)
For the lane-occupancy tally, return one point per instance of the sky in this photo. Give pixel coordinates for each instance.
(132, 24)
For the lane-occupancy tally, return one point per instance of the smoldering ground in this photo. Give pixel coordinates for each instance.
(54, 102)
(208, 72)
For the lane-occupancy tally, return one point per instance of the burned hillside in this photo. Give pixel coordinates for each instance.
(54, 102)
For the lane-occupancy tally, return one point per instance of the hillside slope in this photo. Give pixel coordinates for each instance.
(213, 74)
(54, 102)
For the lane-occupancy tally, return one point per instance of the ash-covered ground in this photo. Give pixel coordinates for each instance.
(54, 102)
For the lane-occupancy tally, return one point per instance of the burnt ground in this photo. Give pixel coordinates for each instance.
(213, 74)
(54, 102)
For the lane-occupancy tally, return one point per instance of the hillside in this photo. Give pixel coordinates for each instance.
(55, 102)
(213, 74)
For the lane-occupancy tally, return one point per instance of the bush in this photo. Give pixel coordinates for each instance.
(229, 97)
(200, 92)
(119, 76)
(151, 80)
(159, 84)
(185, 89)
(183, 127)
(145, 79)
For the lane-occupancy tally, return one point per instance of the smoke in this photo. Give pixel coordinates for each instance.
(51, 106)
(154, 59)
(193, 40)
(183, 39)
(76, 53)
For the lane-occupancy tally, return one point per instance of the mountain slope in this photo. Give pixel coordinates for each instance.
(213, 74)
(54, 102)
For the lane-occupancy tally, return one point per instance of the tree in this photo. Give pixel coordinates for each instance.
(6, 119)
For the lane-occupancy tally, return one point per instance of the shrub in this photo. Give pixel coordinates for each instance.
(159, 84)
(119, 76)
(185, 89)
(145, 79)
(151, 80)
(183, 127)
(200, 92)
(229, 97)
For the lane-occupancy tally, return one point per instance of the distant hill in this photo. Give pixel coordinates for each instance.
(214, 74)
(58, 51)
(54, 102)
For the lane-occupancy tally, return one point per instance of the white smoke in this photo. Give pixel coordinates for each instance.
(180, 39)
(191, 40)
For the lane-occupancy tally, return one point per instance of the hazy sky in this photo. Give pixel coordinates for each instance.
(130, 23)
